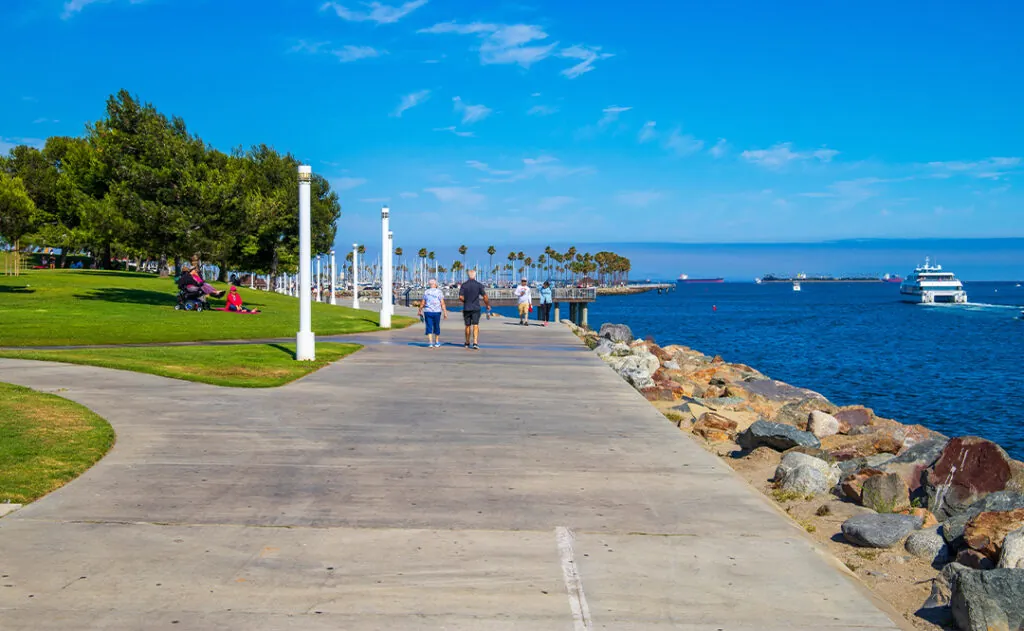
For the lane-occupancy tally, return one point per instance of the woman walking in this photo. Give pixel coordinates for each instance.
(432, 309)
(545, 303)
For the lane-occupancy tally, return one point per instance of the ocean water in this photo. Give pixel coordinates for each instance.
(953, 368)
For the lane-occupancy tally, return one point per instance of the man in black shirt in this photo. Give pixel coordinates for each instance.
(470, 294)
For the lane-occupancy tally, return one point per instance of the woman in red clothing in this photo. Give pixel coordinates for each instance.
(235, 302)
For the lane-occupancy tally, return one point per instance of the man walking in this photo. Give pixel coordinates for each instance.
(470, 294)
(525, 300)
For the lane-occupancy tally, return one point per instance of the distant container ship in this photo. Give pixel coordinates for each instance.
(683, 278)
(804, 278)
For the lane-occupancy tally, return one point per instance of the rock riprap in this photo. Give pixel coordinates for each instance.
(986, 531)
(874, 530)
(886, 493)
(1013, 550)
(822, 424)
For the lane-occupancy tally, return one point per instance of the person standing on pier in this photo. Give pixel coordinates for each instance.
(546, 301)
(525, 300)
(432, 309)
(470, 294)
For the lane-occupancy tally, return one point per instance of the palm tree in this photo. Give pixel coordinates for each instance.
(398, 253)
(527, 264)
(423, 259)
(490, 253)
(511, 258)
(462, 251)
(433, 259)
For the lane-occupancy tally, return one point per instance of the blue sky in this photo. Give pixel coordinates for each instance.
(572, 121)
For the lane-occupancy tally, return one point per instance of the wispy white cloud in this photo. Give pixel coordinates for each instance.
(374, 11)
(346, 183)
(648, 132)
(71, 7)
(719, 149)
(587, 55)
(542, 110)
(349, 53)
(408, 195)
(547, 167)
(502, 43)
(639, 199)
(557, 202)
(455, 130)
(457, 195)
(411, 100)
(781, 155)
(7, 143)
(535, 94)
(45, 120)
(987, 169)
(611, 114)
(471, 113)
(375, 200)
(344, 54)
(682, 144)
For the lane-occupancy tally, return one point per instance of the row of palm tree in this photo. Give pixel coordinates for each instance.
(569, 267)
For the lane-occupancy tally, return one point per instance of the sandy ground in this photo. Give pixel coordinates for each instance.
(897, 577)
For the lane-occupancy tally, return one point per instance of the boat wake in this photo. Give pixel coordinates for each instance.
(974, 306)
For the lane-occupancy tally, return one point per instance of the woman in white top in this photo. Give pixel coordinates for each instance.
(432, 309)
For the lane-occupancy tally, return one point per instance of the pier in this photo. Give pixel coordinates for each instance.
(576, 299)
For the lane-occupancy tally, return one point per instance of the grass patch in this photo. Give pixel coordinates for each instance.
(675, 417)
(235, 365)
(786, 496)
(83, 307)
(45, 442)
(868, 555)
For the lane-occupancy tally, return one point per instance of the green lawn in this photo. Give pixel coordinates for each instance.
(45, 442)
(235, 365)
(80, 307)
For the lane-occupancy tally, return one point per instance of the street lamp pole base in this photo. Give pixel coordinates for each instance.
(305, 346)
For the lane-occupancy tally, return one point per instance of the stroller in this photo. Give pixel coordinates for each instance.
(190, 297)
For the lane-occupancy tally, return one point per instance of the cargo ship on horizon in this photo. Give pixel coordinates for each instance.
(852, 278)
(683, 278)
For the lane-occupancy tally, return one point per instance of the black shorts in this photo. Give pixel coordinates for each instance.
(471, 317)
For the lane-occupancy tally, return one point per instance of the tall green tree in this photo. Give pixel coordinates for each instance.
(17, 210)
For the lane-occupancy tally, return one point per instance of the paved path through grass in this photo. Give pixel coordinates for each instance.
(523, 486)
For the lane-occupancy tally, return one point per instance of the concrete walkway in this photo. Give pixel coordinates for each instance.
(522, 486)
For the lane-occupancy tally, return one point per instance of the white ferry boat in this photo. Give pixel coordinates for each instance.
(930, 284)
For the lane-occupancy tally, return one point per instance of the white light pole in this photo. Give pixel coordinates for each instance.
(305, 340)
(385, 269)
(334, 274)
(355, 275)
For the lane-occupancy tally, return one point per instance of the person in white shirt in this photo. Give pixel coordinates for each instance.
(525, 300)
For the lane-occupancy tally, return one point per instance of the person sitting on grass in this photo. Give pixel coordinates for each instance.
(235, 302)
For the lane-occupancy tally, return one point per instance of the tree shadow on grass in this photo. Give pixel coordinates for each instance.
(130, 296)
(4, 289)
(116, 274)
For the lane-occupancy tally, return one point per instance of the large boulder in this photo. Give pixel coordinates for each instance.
(649, 361)
(885, 493)
(638, 378)
(793, 460)
(776, 436)
(968, 469)
(616, 332)
(1013, 550)
(928, 545)
(992, 600)
(780, 391)
(853, 417)
(805, 480)
(912, 462)
(872, 530)
(953, 528)
(822, 424)
(604, 347)
(986, 531)
(853, 484)
(714, 427)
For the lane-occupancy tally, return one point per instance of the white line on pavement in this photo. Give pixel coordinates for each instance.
(573, 583)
